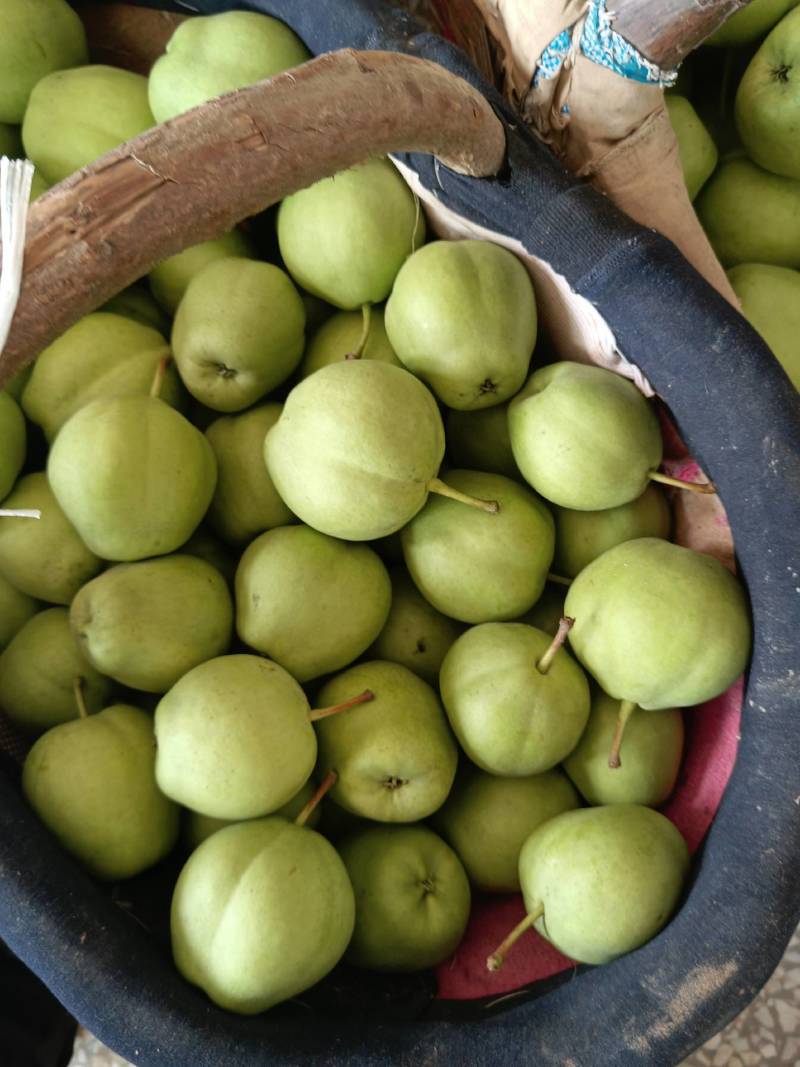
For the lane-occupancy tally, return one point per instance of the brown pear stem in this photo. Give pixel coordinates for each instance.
(327, 783)
(158, 378)
(558, 578)
(565, 624)
(366, 318)
(78, 688)
(679, 483)
(626, 709)
(20, 513)
(498, 957)
(435, 485)
(323, 713)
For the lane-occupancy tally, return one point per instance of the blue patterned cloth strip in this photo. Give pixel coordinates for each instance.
(600, 43)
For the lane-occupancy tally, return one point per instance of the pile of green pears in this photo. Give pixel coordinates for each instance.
(338, 586)
(736, 113)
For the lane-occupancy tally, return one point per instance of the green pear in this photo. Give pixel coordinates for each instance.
(238, 332)
(697, 150)
(38, 186)
(46, 557)
(317, 312)
(770, 299)
(584, 437)
(345, 238)
(582, 536)
(197, 827)
(600, 882)
(15, 610)
(548, 610)
(480, 440)
(102, 355)
(516, 700)
(206, 57)
(749, 23)
(412, 898)
(478, 567)
(170, 279)
(75, 116)
(10, 141)
(39, 36)
(146, 624)
(751, 215)
(260, 912)
(659, 625)
(38, 672)
(204, 545)
(245, 501)
(16, 384)
(133, 476)
(395, 758)
(767, 105)
(462, 316)
(651, 755)
(415, 635)
(13, 440)
(311, 603)
(138, 304)
(487, 820)
(92, 783)
(343, 334)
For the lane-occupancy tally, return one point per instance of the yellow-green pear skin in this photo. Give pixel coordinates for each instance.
(261, 911)
(238, 332)
(415, 634)
(75, 116)
(338, 337)
(234, 738)
(584, 437)
(749, 23)
(146, 624)
(206, 57)
(92, 783)
(138, 304)
(412, 898)
(39, 36)
(476, 566)
(16, 384)
(345, 238)
(13, 442)
(38, 670)
(751, 215)
(15, 610)
(658, 624)
(510, 718)
(582, 536)
(355, 447)
(608, 878)
(245, 501)
(205, 545)
(480, 441)
(44, 557)
(133, 476)
(197, 827)
(308, 601)
(462, 316)
(650, 756)
(102, 355)
(696, 148)
(170, 278)
(770, 299)
(487, 820)
(395, 756)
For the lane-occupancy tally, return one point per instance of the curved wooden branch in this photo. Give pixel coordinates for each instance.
(195, 177)
(666, 31)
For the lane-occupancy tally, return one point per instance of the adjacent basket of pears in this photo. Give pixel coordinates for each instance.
(473, 733)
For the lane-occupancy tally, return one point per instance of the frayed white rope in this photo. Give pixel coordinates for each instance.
(15, 191)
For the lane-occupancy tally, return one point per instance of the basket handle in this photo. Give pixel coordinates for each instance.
(193, 178)
(666, 31)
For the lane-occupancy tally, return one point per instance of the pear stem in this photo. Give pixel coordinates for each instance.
(498, 957)
(565, 624)
(366, 316)
(558, 578)
(20, 513)
(327, 783)
(158, 378)
(435, 485)
(626, 709)
(679, 483)
(78, 688)
(323, 713)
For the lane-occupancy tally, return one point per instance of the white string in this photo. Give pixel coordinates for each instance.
(15, 190)
(20, 513)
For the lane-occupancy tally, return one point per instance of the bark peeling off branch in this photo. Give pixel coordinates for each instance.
(666, 31)
(195, 177)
